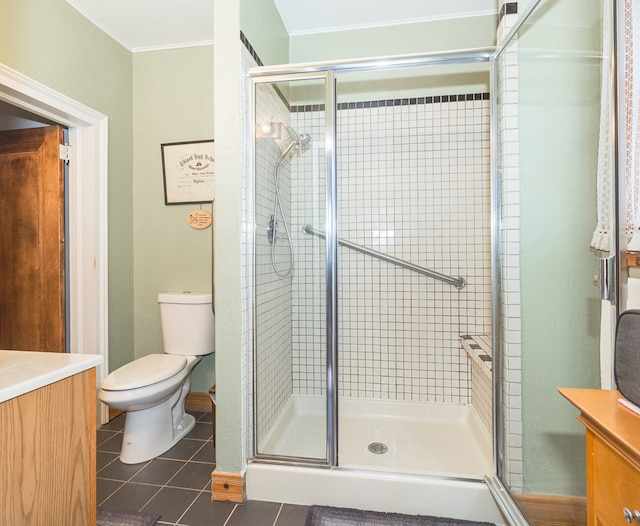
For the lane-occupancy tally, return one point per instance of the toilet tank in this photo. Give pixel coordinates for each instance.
(187, 323)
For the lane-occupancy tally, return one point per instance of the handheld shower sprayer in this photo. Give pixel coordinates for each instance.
(298, 142)
(301, 139)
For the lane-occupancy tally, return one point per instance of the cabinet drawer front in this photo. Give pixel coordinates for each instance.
(617, 486)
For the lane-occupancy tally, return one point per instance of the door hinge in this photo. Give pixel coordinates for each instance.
(65, 152)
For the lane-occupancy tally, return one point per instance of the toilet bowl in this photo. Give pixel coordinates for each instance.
(152, 389)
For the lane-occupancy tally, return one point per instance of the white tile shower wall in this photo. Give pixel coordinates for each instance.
(509, 163)
(482, 395)
(413, 183)
(309, 207)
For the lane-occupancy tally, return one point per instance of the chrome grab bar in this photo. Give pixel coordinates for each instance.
(458, 283)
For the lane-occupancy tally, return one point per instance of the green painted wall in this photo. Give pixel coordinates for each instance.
(559, 116)
(173, 102)
(55, 45)
(145, 91)
(262, 25)
(422, 37)
(230, 414)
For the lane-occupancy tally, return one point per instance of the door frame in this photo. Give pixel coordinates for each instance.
(87, 210)
(331, 400)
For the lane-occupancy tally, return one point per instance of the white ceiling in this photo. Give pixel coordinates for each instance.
(156, 24)
(151, 24)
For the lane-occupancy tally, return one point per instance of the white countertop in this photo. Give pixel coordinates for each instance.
(25, 371)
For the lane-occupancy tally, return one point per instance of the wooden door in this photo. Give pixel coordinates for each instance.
(32, 255)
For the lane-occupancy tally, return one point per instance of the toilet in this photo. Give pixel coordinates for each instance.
(152, 389)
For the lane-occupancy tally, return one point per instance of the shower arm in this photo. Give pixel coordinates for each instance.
(458, 283)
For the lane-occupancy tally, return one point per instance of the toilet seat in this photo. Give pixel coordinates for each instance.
(144, 371)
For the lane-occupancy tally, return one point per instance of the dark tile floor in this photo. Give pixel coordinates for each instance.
(177, 484)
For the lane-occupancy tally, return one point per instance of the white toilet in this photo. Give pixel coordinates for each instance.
(152, 389)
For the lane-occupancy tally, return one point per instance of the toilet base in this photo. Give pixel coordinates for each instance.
(150, 432)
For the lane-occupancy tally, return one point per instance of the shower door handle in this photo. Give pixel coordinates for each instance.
(606, 281)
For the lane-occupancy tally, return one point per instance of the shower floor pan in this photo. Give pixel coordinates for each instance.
(402, 437)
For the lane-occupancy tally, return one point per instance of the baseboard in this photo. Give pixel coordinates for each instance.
(550, 510)
(113, 413)
(228, 487)
(198, 402)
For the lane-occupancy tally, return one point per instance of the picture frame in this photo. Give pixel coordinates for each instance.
(188, 170)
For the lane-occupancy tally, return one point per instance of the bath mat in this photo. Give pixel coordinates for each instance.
(328, 516)
(125, 518)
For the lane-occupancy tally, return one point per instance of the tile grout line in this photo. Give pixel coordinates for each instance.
(178, 523)
(129, 480)
(202, 490)
(230, 515)
(166, 484)
(190, 506)
(275, 522)
(152, 497)
(184, 462)
(163, 486)
(112, 493)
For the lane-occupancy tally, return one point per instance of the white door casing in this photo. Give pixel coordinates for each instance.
(87, 210)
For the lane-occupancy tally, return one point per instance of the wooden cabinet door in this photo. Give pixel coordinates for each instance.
(48, 455)
(32, 254)
(616, 485)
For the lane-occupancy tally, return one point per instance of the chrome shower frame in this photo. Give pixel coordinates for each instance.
(264, 77)
(326, 71)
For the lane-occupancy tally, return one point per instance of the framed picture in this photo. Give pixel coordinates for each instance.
(188, 169)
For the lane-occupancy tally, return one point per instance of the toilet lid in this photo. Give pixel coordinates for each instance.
(144, 371)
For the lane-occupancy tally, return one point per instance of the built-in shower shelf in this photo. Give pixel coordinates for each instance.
(478, 348)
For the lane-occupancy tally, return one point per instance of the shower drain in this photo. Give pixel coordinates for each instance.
(378, 448)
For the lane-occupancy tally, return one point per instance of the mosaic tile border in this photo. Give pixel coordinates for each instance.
(510, 8)
(436, 99)
(252, 52)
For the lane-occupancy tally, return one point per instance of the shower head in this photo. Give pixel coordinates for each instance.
(298, 141)
(303, 140)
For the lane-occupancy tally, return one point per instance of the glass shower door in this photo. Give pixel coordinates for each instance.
(548, 84)
(291, 267)
(413, 153)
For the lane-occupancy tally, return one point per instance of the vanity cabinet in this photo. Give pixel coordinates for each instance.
(613, 456)
(47, 440)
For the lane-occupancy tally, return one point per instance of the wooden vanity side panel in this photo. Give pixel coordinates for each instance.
(48, 455)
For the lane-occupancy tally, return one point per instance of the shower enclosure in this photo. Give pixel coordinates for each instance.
(381, 320)
(421, 269)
